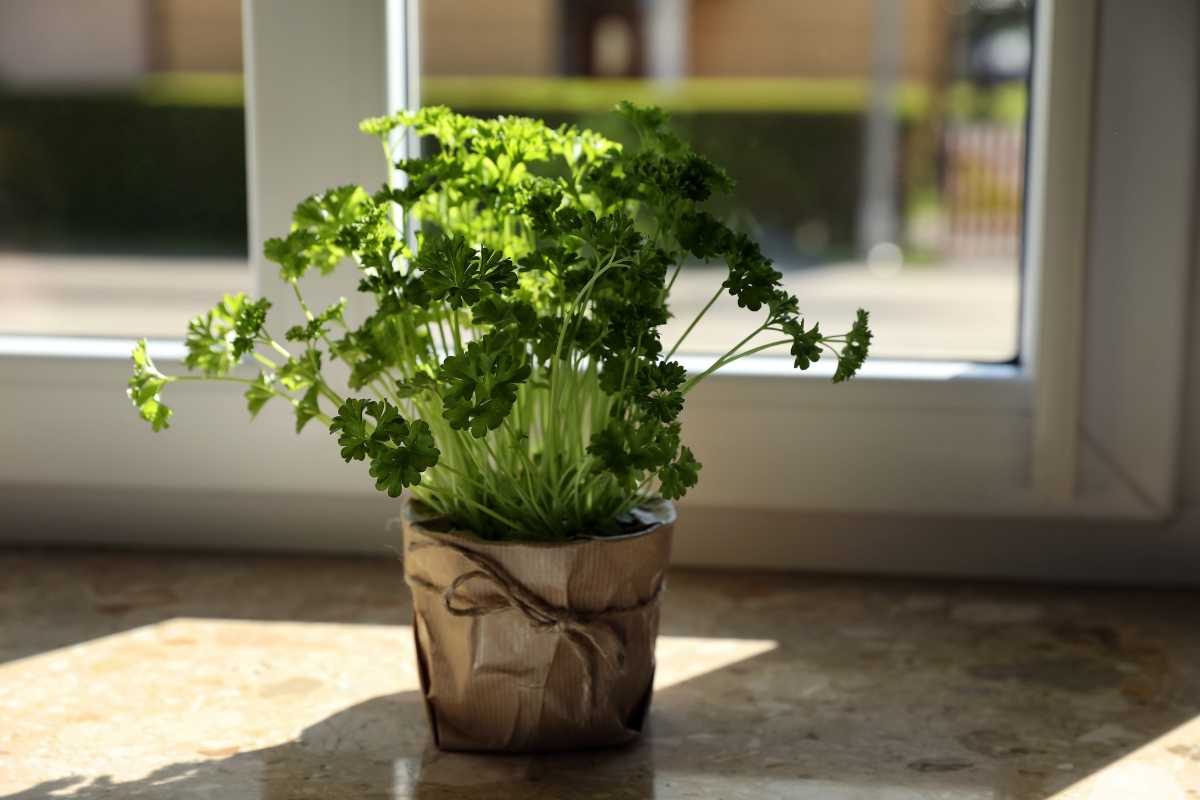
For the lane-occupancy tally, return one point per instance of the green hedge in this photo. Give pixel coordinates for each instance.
(113, 172)
(163, 164)
(128, 171)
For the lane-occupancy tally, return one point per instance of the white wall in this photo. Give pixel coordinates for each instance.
(1141, 244)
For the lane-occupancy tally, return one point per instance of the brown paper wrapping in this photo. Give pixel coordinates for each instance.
(526, 647)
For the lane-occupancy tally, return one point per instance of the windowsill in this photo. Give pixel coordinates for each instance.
(112, 295)
(166, 351)
(283, 676)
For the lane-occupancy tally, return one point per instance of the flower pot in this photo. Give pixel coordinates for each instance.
(526, 647)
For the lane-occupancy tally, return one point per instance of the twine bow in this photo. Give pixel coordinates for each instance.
(591, 638)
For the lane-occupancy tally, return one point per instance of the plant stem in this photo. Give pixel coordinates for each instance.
(722, 361)
(695, 321)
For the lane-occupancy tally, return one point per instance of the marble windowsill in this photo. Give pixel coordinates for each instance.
(182, 676)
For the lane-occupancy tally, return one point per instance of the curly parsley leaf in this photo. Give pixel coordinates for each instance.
(145, 387)
(480, 385)
(217, 340)
(401, 466)
(806, 345)
(315, 328)
(454, 271)
(659, 390)
(258, 393)
(680, 475)
(398, 450)
(752, 278)
(326, 227)
(626, 448)
(854, 351)
(308, 407)
(210, 339)
(301, 372)
(248, 326)
(354, 435)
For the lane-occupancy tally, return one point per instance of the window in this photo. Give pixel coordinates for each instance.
(878, 148)
(1083, 425)
(122, 164)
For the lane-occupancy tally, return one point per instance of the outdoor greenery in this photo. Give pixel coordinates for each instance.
(512, 373)
(56, 195)
(187, 129)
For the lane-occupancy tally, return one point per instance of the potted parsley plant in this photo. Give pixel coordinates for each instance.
(513, 380)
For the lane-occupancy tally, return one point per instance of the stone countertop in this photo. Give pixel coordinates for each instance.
(142, 675)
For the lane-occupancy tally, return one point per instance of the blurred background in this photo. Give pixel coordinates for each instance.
(877, 145)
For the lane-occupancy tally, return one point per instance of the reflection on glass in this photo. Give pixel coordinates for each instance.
(122, 163)
(878, 147)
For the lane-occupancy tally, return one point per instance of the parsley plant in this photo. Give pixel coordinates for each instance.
(512, 375)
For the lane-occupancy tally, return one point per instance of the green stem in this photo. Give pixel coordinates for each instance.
(696, 321)
(674, 275)
(723, 360)
(330, 394)
(324, 418)
(278, 348)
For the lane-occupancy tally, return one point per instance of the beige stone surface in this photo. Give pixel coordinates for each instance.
(184, 676)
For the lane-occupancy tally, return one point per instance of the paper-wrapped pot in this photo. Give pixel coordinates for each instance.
(526, 647)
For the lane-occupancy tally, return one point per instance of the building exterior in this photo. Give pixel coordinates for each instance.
(720, 38)
(121, 40)
(115, 42)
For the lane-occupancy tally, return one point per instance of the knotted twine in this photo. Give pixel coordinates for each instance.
(590, 637)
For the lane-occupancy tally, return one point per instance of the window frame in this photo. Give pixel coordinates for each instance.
(911, 440)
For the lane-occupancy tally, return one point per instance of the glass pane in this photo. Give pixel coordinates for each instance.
(122, 164)
(878, 147)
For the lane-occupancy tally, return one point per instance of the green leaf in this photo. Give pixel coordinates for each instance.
(248, 326)
(627, 448)
(419, 384)
(211, 338)
(145, 387)
(752, 278)
(650, 122)
(679, 476)
(495, 270)
(480, 386)
(701, 234)
(452, 270)
(315, 328)
(325, 229)
(806, 345)
(308, 407)
(401, 466)
(854, 351)
(354, 435)
(259, 392)
(293, 254)
(301, 372)
(399, 451)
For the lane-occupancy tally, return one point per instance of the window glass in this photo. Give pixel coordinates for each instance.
(878, 147)
(122, 164)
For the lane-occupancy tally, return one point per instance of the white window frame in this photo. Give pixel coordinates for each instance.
(797, 472)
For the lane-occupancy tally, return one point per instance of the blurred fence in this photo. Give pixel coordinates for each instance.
(984, 167)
